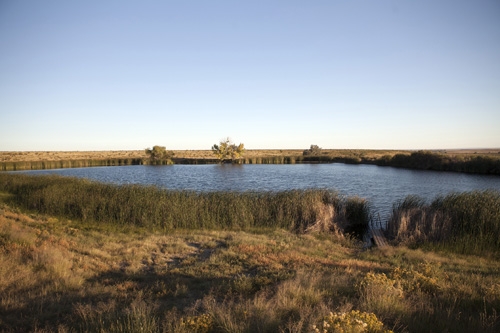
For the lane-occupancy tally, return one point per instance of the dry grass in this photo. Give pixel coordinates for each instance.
(461, 152)
(32, 156)
(70, 276)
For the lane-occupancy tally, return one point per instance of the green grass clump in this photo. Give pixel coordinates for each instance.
(467, 223)
(151, 207)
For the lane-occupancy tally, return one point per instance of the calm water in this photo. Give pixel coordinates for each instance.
(382, 186)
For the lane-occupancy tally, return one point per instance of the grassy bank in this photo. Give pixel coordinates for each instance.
(61, 275)
(151, 207)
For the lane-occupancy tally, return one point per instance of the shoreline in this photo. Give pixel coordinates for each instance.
(479, 161)
(92, 255)
(53, 155)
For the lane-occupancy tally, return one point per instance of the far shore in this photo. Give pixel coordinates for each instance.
(478, 161)
(35, 156)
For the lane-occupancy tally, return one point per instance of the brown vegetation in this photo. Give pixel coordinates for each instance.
(33, 156)
(61, 275)
(26, 156)
(366, 154)
(467, 223)
(478, 161)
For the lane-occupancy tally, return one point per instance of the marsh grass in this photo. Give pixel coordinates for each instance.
(61, 164)
(466, 222)
(151, 207)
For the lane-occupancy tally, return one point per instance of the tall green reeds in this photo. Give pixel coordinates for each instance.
(40, 165)
(148, 206)
(466, 222)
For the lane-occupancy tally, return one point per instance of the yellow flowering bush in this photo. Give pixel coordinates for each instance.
(199, 324)
(421, 279)
(380, 285)
(351, 322)
(381, 294)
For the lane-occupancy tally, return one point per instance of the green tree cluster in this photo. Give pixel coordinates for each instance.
(159, 155)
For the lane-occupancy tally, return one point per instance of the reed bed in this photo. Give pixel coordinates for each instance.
(152, 207)
(61, 164)
(467, 223)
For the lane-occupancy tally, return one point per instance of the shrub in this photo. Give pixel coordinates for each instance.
(314, 150)
(351, 322)
(226, 149)
(198, 324)
(159, 155)
(381, 294)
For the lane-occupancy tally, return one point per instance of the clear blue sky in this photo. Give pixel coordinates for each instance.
(105, 75)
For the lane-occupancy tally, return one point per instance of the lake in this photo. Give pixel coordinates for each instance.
(381, 186)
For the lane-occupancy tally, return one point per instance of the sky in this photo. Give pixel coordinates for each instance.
(184, 74)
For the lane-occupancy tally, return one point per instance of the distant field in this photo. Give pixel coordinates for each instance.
(484, 151)
(24, 156)
(11, 156)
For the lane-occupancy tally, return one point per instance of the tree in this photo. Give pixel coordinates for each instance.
(159, 155)
(314, 150)
(227, 149)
